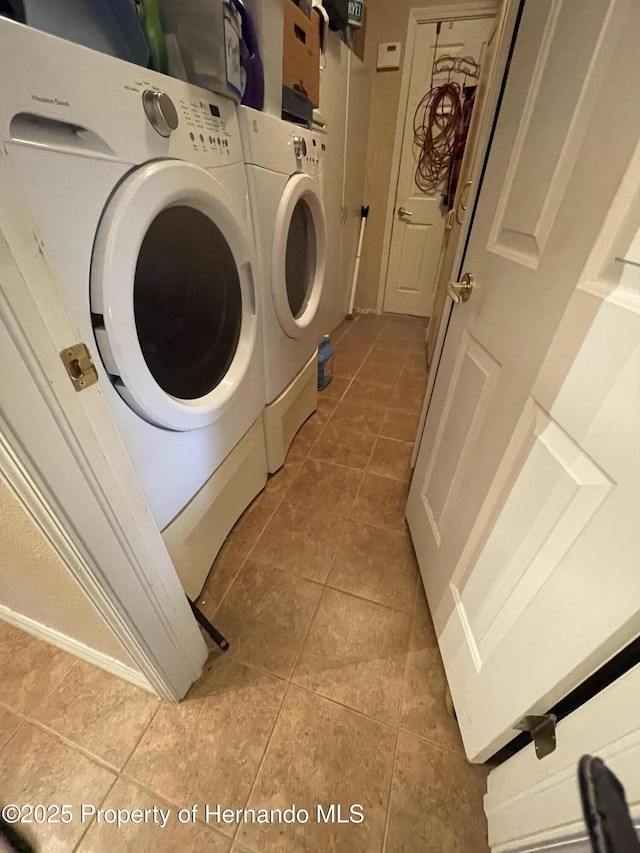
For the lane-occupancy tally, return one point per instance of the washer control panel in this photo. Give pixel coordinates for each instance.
(189, 122)
(307, 150)
(206, 127)
(128, 113)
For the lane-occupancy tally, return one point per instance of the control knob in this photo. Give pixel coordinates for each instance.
(160, 111)
(300, 147)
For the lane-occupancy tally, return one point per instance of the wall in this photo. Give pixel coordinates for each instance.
(34, 582)
(387, 20)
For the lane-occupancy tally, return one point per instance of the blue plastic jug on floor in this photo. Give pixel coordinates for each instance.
(325, 362)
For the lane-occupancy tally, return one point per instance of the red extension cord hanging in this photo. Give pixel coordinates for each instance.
(438, 119)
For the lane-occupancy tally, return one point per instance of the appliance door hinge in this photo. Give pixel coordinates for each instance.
(543, 731)
(80, 367)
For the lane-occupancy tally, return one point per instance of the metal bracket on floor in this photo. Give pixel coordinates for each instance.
(213, 632)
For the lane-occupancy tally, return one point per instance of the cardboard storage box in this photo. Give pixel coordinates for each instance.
(301, 52)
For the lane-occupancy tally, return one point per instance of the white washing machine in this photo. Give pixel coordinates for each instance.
(135, 187)
(284, 171)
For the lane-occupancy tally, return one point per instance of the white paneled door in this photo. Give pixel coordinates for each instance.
(418, 224)
(525, 500)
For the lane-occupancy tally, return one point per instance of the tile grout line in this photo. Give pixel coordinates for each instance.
(132, 780)
(329, 419)
(23, 722)
(350, 381)
(324, 585)
(290, 682)
(357, 494)
(29, 719)
(341, 517)
(390, 726)
(402, 532)
(244, 559)
(289, 685)
(76, 747)
(139, 740)
(436, 745)
(398, 727)
(229, 585)
(334, 556)
(93, 818)
(362, 471)
(278, 715)
(368, 600)
(377, 435)
(278, 503)
(280, 568)
(75, 662)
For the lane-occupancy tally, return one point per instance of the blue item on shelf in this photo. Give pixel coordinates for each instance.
(110, 26)
(325, 362)
(250, 60)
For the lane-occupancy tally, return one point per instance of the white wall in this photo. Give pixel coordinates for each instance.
(34, 582)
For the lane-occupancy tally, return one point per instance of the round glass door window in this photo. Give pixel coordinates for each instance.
(187, 302)
(300, 260)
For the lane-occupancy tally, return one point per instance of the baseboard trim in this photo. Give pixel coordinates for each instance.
(75, 648)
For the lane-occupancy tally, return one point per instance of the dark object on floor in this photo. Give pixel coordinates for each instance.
(605, 809)
(213, 632)
(11, 840)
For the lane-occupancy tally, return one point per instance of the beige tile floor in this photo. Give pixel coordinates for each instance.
(333, 691)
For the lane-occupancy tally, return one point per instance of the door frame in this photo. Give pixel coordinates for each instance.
(429, 15)
(507, 26)
(58, 447)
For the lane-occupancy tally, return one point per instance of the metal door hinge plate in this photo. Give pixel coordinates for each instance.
(80, 367)
(543, 731)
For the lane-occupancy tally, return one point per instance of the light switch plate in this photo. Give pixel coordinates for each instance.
(389, 55)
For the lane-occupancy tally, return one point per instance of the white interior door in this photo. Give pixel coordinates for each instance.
(417, 234)
(527, 479)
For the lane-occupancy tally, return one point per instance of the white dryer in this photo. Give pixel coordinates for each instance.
(135, 187)
(284, 171)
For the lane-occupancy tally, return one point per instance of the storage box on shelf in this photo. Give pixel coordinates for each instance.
(301, 53)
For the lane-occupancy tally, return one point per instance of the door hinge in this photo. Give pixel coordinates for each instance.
(80, 367)
(543, 731)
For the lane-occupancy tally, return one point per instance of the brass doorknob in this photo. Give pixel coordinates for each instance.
(460, 291)
(402, 211)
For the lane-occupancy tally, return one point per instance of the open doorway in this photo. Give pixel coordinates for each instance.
(417, 209)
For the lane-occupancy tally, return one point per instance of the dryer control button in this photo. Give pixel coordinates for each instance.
(160, 111)
(300, 147)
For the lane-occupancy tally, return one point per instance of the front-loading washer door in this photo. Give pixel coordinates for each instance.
(298, 256)
(172, 295)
